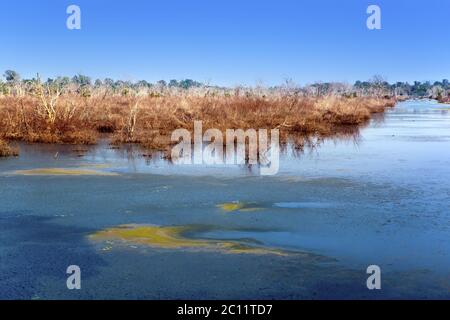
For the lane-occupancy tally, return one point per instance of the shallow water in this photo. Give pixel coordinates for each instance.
(383, 198)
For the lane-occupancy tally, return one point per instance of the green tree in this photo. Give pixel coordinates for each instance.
(11, 76)
(82, 80)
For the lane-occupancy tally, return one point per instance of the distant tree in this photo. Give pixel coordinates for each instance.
(143, 84)
(420, 89)
(322, 88)
(379, 86)
(109, 82)
(162, 83)
(173, 83)
(82, 80)
(436, 91)
(11, 76)
(188, 83)
(63, 80)
(119, 83)
(98, 83)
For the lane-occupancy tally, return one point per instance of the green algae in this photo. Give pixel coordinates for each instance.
(239, 206)
(175, 237)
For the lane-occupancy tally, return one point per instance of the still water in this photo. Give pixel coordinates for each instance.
(381, 198)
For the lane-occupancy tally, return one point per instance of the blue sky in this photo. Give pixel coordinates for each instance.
(228, 42)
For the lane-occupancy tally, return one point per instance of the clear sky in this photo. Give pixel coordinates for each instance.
(228, 42)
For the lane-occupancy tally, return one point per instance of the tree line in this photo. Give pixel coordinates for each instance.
(376, 86)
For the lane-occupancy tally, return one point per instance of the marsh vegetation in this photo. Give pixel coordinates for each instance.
(65, 111)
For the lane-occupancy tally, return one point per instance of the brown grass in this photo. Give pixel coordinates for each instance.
(51, 117)
(444, 100)
(6, 150)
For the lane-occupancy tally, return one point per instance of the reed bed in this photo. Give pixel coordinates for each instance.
(148, 119)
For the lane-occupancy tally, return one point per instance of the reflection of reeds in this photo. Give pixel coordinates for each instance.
(51, 117)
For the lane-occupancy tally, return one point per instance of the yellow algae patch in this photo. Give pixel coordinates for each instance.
(238, 206)
(231, 206)
(174, 238)
(162, 237)
(63, 172)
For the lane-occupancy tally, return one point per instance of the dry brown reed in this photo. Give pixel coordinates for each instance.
(6, 150)
(50, 116)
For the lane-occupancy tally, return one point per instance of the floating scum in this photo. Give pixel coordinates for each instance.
(239, 206)
(64, 172)
(176, 237)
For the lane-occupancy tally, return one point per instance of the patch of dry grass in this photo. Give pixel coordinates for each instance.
(6, 150)
(444, 100)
